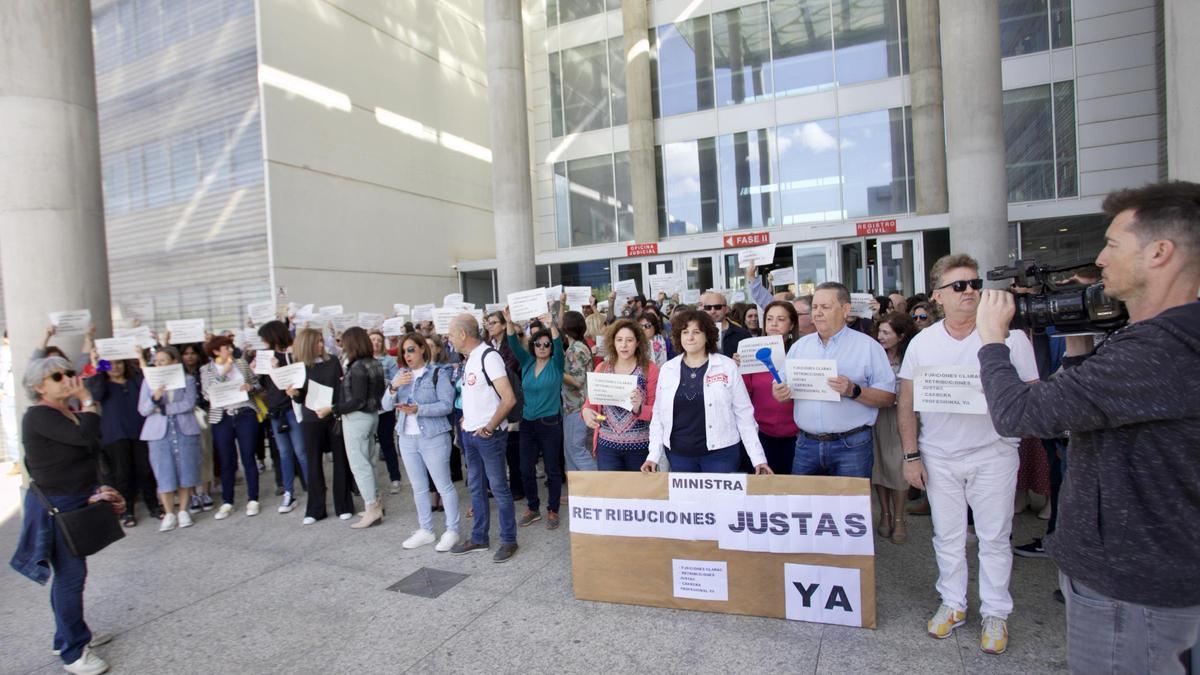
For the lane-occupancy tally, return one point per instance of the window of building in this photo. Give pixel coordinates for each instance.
(478, 287)
(742, 54)
(1060, 24)
(691, 185)
(593, 200)
(1030, 26)
(1059, 242)
(561, 11)
(562, 208)
(184, 174)
(685, 63)
(873, 164)
(866, 35)
(594, 273)
(616, 80)
(802, 41)
(624, 202)
(157, 167)
(747, 179)
(810, 179)
(1040, 165)
(585, 89)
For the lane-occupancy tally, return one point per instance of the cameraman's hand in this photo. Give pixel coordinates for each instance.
(995, 314)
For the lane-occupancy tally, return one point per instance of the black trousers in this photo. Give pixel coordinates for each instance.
(386, 430)
(319, 438)
(128, 469)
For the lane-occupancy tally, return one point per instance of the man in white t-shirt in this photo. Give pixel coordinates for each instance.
(487, 396)
(959, 459)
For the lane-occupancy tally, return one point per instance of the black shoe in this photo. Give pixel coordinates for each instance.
(1059, 596)
(1034, 549)
(468, 546)
(504, 553)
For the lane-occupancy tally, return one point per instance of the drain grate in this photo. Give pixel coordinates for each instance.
(428, 582)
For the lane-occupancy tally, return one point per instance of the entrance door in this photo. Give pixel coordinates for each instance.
(857, 265)
(901, 264)
(701, 272)
(640, 269)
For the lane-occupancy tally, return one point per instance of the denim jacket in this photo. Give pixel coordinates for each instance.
(434, 402)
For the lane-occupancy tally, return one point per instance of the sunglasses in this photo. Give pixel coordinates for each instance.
(960, 286)
(411, 350)
(542, 344)
(58, 377)
(709, 308)
(920, 317)
(646, 325)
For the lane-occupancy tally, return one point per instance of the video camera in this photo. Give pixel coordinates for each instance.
(1074, 308)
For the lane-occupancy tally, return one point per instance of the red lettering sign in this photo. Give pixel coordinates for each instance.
(748, 239)
(633, 250)
(870, 227)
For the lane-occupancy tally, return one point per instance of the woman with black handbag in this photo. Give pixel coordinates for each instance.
(61, 525)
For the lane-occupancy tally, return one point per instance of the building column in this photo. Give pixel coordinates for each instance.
(929, 129)
(512, 187)
(52, 246)
(1180, 18)
(976, 179)
(636, 27)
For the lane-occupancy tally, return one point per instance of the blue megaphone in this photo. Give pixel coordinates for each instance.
(764, 354)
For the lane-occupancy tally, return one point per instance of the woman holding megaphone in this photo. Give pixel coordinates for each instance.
(776, 428)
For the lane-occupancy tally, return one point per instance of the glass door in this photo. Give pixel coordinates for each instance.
(640, 270)
(813, 266)
(857, 268)
(701, 272)
(901, 264)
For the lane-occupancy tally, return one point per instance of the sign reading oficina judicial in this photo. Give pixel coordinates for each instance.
(791, 547)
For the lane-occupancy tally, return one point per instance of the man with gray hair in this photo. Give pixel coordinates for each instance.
(487, 396)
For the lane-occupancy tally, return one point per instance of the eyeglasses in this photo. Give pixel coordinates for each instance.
(411, 350)
(960, 286)
(646, 325)
(542, 344)
(709, 308)
(919, 317)
(58, 377)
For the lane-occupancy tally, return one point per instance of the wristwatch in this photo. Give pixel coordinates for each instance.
(912, 456)
(856, 393)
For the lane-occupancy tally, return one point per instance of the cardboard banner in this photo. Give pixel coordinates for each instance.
(789, 547)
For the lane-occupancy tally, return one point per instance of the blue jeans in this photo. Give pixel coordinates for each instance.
(291, 448)
(852, 456)
(421, 454)
(242, 427)
(485, 457)
(611, 459)
(544, 436)
(725, 460)
(71, 632)
(577, 443)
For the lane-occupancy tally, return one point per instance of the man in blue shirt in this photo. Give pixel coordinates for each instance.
(835, 436)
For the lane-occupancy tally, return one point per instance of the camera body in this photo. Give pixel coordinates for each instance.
(1068, 309)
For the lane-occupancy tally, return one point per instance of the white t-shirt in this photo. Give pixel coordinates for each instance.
(480, 400)
(411, 427)
(956, 434)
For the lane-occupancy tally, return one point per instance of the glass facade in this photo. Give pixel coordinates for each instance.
(587, 87)
(1030, 26)
(1039, 142)
(802, 43)
(742, 55)
(561, 11)
(593, 200)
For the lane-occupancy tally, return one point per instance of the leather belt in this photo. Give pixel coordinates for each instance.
(833, 437)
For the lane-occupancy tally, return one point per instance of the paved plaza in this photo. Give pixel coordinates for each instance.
(267, 595)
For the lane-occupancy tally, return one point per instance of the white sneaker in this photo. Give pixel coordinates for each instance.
(223, 512)
(345, 516)
(88, 664)
(447, 542)
(395, 487)
(288, 504)
(168, 523)
(98, 639)
(251, 508)
(419, 538)
(185, 519)
(308, 520)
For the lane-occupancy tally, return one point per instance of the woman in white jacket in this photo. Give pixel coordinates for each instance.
(702, 414)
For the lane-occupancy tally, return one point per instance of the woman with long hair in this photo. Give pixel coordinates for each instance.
(387, 416)
(234, 425)
(285, 428)
(125, 456)
(894, 331)
(776, 426)
(622, 438)
(745, 314)
(320, 436)
(577, 362)
(651, 324)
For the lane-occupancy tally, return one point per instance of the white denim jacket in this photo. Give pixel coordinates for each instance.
(728, 413)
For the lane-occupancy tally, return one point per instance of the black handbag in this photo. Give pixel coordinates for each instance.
(88, 530)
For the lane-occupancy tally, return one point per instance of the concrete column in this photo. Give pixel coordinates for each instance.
(52, 247)
(641, 120)
(1180, 18)
(976, 178)
(512, 188)
(928, 125)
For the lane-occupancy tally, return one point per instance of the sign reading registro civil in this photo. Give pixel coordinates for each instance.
(635, 250)
(746, 239)
(867, 228)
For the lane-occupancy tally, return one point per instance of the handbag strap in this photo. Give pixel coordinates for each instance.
(42, 497)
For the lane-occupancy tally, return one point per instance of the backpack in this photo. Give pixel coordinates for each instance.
(514, 379)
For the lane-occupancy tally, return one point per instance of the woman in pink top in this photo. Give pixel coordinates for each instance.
(622, 437)
(776, 429)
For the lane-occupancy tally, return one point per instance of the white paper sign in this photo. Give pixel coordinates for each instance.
(837, 525)
(748, 347)
(442, 318)
(422, 313)
(452, 300)
(625, 288)
(860, 305)
(807, 379)
(554, 294)
(261, 312)
(370, 320)
(262, 363)
(342, 321)
(494, 307)
(186, 331)
(700, 579)
(705, 487)
(667, 284)
(170, 377)
(822, 594)
(897, 251)
(222, 394)
(759, 255)
(247, 338)
(71, 322)
(117, 348)
(578, 297)
(783, 276)
(140, 334)
(690, 296)
(330, 311)
(655, 518)
(291, 375)
(393, 327)
(318, 396)
(401, 309)
(737, 296)
(611, 389)
(526, 305)
(949, 389)
(141, 310)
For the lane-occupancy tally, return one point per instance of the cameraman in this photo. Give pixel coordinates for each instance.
(1126, 543)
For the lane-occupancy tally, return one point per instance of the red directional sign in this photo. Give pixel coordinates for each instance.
(634, 250)
(870, 227)
(747, 239)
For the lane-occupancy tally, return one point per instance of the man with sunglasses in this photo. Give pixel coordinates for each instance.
(729, 334)
(960, 459)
